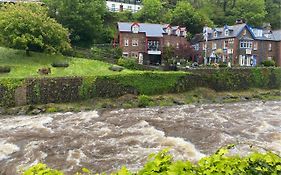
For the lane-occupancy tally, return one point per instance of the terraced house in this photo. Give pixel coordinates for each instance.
(239, 44)
(122, 5)
(146, 42)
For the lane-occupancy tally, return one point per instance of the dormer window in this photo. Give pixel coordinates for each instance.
(135, 28)
(226, 32)
(178, 32)
(215, 34)
(169, 31)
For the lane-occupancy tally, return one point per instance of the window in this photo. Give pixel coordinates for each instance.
(178, 46)
(270, 47)
(153, 45)
(113, 7)
(135, 42)
(214, 46)
(215, 34)
(204, 47)
(196, 47)
(126, 41)
(134, 54)
(130, 8)
(225, 44)
(169, 31)
(269, 58)
(178, 32)
(135, 28)
(226, 32)
(255, 46)
(246, 44)
(125, 54)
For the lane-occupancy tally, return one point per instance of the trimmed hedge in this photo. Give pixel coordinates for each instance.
(68, 89)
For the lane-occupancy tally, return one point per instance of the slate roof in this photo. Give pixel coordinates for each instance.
(275, 36)
(234, 32)
(151, 30)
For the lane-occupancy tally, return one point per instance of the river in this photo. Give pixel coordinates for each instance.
(105, 140)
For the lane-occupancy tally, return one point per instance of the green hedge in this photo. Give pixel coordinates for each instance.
(219, 163)
(69, 89)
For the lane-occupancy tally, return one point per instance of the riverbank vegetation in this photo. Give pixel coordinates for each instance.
(220, 163)
(196, 97)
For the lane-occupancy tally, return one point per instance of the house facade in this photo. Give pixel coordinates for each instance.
(122, 5)
(239, 44)
(146, 42)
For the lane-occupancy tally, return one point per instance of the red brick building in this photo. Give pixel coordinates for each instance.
(146, 42)
(239, 44)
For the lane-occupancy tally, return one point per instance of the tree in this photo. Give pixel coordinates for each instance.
(185, 15)
(151, 12)
(84, 19)
(273, 8)
(27, 26)
(252, 11)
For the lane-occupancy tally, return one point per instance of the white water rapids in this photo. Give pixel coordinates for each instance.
(104, 141)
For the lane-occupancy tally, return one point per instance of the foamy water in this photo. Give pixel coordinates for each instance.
(104, 141)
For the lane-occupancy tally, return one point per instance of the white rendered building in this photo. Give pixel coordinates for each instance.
(122, 5)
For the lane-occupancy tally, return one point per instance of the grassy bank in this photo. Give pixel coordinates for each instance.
(198, 96)
(23, 66)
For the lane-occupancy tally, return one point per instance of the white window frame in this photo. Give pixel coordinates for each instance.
(255, 45)
(226, 32)
(135, 42)
(225, 46)
(135, 29)
(269, 47)
(126, 42)
(178, 46)
(215, 34)
(246, 44)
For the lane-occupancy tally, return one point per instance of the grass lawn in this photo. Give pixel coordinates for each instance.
(23, 66)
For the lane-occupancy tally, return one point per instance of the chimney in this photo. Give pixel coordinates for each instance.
(239, 21)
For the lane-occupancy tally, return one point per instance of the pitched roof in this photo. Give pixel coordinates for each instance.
(151, 30)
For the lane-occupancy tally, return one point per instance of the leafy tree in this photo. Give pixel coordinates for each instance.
(151, 11)
(185, 15)
(27, 26)
(84, 18)
(252, 11)
(273, 8)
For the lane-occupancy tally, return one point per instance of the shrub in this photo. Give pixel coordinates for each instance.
(144, 101)
(268, 63)
(41, 169)
(60, 64)
(5, 69)
(129, 63)
(219, 163)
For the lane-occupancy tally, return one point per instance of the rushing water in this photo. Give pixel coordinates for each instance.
(104, 141)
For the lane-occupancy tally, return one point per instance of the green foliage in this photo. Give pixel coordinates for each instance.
(151, 11)
(144, 101)
(185, 15)
(252, 11)
(27, 26)
(129, 63)
(41, 169)
(9, 85)
(220, 163)
(84, 18)
(268, 63)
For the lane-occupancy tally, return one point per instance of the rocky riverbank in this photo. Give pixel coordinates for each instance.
(198, 96)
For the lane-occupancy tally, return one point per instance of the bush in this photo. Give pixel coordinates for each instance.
(60, 64)
(219, 163)
(144, 101)
(129, 63)
(5, 69)
(268, 63)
